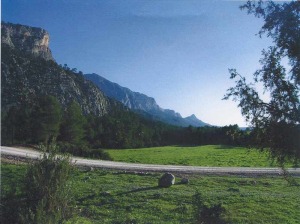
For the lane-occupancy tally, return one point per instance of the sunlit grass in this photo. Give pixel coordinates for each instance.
(119, 197)
(208, 155)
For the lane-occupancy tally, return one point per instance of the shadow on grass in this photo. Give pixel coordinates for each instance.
(216, 146)
(225, 147)
(139, 190)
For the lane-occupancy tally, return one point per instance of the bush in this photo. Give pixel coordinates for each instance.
(84, 151)
(205, 214)
(47, 189)
(11, 204)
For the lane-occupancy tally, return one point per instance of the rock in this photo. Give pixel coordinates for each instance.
(90, 168)
(105, 193)
(184, 181)
(167, 180)
(28, 39)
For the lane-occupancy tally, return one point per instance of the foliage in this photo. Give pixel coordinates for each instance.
(118, 129)
(72, 127)
(11, 202)
(47, 190)
(84, 151)
(32, 123)
(275, 122)
(9, 122)
(42, 193)
(205, 214)
(47, 116)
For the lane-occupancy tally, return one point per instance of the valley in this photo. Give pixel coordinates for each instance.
(77, 148)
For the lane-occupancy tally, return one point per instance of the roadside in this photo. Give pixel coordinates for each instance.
(22, 154)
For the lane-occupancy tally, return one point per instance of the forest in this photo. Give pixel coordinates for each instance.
(83, 135)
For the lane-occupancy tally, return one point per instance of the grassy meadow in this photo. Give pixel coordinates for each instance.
(118, 197)
(208, 155)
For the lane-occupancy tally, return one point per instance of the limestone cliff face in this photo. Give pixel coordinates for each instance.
(25, 75)
(132, 100)
(28, 39)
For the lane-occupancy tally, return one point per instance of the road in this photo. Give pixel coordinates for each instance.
(31, 154)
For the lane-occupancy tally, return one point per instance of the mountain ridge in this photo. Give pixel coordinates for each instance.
(141, 103)
(29, 71)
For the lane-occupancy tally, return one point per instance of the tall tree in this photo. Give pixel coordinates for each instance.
(72, 128)
(276, 121)
(9, 126)
(47, 116)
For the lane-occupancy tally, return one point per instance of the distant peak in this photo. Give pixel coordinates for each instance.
(192, 116)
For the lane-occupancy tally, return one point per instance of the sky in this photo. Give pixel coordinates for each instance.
(176, 51)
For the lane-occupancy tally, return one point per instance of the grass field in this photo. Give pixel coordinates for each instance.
(118, 197)
(209, 155)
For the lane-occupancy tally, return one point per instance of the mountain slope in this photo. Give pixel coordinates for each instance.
(142, 104)
(29, 71)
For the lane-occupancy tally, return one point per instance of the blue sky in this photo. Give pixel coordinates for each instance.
(176, 51)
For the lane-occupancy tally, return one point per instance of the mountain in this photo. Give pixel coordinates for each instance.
(142, 103)
(29, 71)
(194, 121)
(27, 39)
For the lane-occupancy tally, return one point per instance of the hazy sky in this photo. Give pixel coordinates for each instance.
(177, 51)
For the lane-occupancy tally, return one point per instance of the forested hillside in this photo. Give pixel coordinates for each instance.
(43, 101)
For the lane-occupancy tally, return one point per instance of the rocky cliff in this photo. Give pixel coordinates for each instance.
(27, 39)
(133, 100)
(142, 103)
(29, 71)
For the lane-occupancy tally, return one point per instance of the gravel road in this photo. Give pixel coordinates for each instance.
(31, 154)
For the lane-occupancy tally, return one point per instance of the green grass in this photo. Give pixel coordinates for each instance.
(119, 197)
(209, 155)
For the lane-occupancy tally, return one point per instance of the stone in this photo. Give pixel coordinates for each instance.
(167, 180)
(184, 181)
(106, 193)
(90, 168)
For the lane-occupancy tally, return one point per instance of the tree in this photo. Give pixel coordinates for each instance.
(9, 126)
(276, 121)
(72, 128)
(46, 119)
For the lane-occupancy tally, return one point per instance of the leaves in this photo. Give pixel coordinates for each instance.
(282, 111)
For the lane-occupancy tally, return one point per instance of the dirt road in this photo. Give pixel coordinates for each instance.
(31, 154)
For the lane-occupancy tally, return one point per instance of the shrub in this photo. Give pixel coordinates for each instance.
(10, 206)
(84, 151)
(47, 189)
(205, 214)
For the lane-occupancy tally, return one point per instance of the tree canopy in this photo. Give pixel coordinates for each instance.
(275, 121)
(72, 127)
(46, 119)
